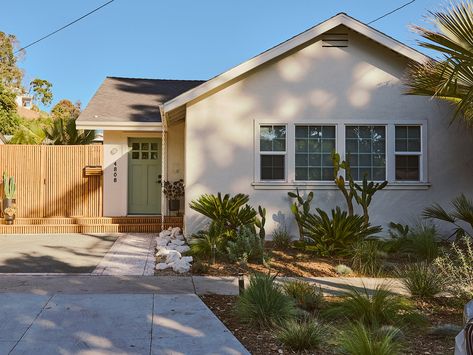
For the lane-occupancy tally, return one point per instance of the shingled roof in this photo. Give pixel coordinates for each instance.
(132, 100)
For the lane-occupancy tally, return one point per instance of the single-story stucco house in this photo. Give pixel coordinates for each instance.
(269, 125)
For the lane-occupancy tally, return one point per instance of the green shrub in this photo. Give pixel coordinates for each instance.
(263, 303)
(422, 280)
(305, 295)
(246, 246)
(456, 267)
(398, 235)
(358, 339)
(207, 244)
(229, 212)
(281, 238)
(307, 334)
(423, 242)
(342, 269)
(376, 308)
(367, 257)
(336, 235)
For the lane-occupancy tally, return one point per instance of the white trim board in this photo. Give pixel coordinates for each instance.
(304, 37)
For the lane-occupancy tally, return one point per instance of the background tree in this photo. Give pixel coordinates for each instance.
(9, 119)
(451, 77)
(65, 132)
(42, 91)
(10, 75)
(65, 109)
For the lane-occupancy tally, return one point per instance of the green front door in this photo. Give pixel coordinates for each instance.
(144, 175)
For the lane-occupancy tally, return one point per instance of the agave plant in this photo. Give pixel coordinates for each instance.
(229, 212)
(462, 213)
(451, 78)
(335, 235)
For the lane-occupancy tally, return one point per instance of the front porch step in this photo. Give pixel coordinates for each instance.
(147, 224)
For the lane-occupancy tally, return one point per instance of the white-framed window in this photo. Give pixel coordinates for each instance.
(408, 152)
(314, 145)
(365, 149)
(288, 155)
(272, 152)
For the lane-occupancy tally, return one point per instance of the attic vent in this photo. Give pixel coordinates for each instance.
(335, 40)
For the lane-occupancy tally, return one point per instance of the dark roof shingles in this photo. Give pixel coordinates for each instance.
(133, 100)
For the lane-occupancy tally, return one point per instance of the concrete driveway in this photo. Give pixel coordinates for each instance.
(52, 253)
(111, 324)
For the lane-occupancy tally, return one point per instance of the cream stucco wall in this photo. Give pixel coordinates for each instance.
(116, 162)
(360, 83)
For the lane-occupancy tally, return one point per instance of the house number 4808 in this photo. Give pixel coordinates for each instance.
(115, 172)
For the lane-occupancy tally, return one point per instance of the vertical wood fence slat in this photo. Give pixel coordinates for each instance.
(50, 180)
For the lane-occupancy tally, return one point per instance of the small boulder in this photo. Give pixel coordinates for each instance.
(178, 242)
(162, 266)
(173, 256)
(181, 266)
(182, 248)
(445, 330)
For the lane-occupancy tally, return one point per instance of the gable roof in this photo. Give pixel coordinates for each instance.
(131, 102)
(294, 42)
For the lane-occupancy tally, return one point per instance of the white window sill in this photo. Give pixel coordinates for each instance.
(328, 185)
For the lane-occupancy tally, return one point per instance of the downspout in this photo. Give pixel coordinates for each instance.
(164, 162)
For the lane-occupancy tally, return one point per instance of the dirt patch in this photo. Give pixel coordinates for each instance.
(261, 342)
(291, 262)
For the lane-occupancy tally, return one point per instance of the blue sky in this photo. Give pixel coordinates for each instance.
(178, 39)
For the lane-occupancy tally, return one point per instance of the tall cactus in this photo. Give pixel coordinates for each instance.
(9, 187)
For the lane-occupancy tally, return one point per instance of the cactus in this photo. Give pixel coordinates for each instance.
(260, 222)
(9, 187)
(340, 181)
(364, 193)
(300, 209)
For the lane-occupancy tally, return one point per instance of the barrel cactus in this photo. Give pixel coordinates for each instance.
(9, 187)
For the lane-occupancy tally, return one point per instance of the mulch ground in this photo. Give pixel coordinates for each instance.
(440, 311)
(289, 262)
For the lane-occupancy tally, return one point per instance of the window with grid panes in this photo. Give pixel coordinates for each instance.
(408, 153)
(365, 149)
(313, 149)
(272, 148)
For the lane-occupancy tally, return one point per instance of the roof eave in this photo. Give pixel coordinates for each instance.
(119, 126)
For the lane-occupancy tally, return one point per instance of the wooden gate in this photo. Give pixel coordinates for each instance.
(50, 181)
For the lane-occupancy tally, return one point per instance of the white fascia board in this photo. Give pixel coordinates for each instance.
(120, 126)
(340, 19)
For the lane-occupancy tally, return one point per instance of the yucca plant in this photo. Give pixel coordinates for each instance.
(65, 132)
(372, 308)
(451, 77)
(336, 235)
(422, 241)
(306, 334)
(462, 212)
(358, 339)
(422, 280)
(305, 295)
(229, 212)
(264, 304)
(366, 257)
(281, 238)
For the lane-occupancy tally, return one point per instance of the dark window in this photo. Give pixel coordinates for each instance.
(407, 167)
(272, 167)
(408, 153)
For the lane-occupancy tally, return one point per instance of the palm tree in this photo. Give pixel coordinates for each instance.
(65, 132)
(451, 77)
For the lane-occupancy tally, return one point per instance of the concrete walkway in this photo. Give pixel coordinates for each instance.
(131, 254)
(103, 324)
(201, 285)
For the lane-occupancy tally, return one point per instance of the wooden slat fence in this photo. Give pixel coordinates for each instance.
(50, 180)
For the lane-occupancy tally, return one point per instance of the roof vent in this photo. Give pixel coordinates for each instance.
(339, 40)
